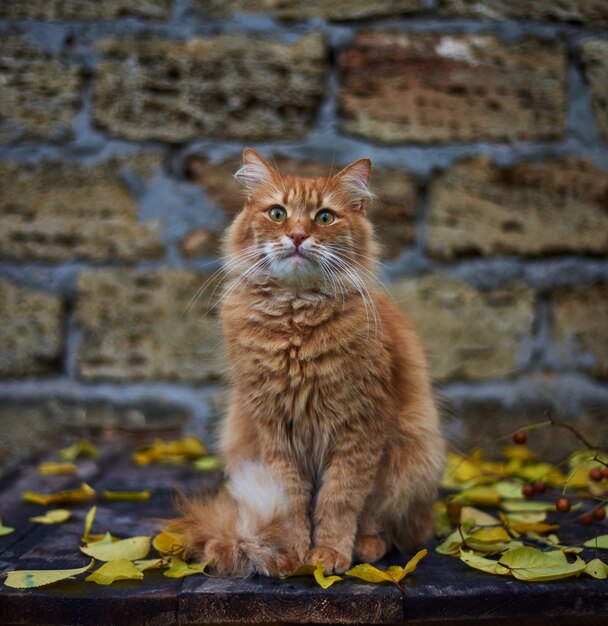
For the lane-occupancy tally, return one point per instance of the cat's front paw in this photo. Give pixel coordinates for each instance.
(332, 561)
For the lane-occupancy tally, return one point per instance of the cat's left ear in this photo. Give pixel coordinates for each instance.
(255, 171)
(354, 180)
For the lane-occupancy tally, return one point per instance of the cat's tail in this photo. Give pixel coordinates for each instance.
(244, 529)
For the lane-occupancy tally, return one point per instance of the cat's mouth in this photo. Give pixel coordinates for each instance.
(297, 256)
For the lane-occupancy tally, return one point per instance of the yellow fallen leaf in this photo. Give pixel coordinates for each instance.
(527, 506)
(601, 541)
(535, 566)
(26, 579)
(179, 569)
(597, 568)
(118, 569)
(534, 527)
(185, 449)
(306, 569)
(478, 517)
(88, 523)
(168, 543)
(49, 468)
(523, 517)
(127, 496)
(412, 564)
(394, 573)
(452, 543)
(5, 530)
(482, 563)
(208, 463)
(322, 580)
(480, 495)
(489, 535)
(57, 516)
(516, 451)
(508, 489)
(71, 496)
(131, 549)
(79, 450)
(100, 540)
(146, 564)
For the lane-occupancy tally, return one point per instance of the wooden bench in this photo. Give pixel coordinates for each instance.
(443, 589)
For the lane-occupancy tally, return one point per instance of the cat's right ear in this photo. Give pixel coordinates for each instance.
(255, 171)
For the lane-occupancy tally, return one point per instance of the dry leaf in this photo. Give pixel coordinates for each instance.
(131, 549)
(5, 530)
(50, 468)
(26, 579)
(127, 496)
(79, 450)
(56, 516)
(71, 496)
(118, 569)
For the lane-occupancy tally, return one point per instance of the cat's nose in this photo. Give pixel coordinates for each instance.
(298, 236)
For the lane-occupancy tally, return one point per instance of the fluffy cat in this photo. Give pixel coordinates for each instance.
(332, 442)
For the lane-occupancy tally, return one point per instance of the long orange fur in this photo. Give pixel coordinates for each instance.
(332, 440)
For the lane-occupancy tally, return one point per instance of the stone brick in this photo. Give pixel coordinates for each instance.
(201, 242)
(137, 325)
(86, 9)
(225, 86)
(40, 94)
(483, 423)
(397, 87)
(392, 210)
(580, 316)
(595, 61)
(339, 10)
(478, 208)
(63, 211)
(30, 331)
(591, 13)
(469, 334)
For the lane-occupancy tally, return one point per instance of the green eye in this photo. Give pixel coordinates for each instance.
(324, 217)
(277, 213)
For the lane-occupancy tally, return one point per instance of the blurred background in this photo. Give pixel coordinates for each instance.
(122, 122)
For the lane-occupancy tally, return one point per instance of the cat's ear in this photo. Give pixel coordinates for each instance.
(353, 181)
(255, 171)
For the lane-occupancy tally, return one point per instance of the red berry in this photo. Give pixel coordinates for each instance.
(586, 519)
(520, 437)
(595, 474)
(605, 472)
(527, 491)
(540, 486)
(599, 513)
(563, 505)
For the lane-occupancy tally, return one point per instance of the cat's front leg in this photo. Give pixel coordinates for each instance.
(298, 492)
(347, 481)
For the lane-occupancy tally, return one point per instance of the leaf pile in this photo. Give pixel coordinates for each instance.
(520, 539)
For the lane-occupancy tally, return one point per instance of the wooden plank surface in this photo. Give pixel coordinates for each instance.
(442, 588)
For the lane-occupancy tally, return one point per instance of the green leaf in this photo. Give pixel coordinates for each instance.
(118, 569)
(131, 549)
(533, 565)
(478, 517)
(452, 543)
(597, 568)
(601, 541)
(26, 579)
(322, 580)
(179, 569)
(527, 506)
(57, 516)
(481, 495)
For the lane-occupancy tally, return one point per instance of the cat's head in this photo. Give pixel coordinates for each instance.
(301, 231)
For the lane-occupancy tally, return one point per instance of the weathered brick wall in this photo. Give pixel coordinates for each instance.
(122, 122)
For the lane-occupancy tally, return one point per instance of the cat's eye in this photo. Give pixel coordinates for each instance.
(324, 217)
(277, 213)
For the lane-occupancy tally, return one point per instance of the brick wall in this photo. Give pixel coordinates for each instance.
(121, 124)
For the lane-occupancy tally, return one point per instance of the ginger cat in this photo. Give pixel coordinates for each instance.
(332, 443)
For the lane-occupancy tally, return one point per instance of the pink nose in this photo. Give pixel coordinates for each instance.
(298, 237)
